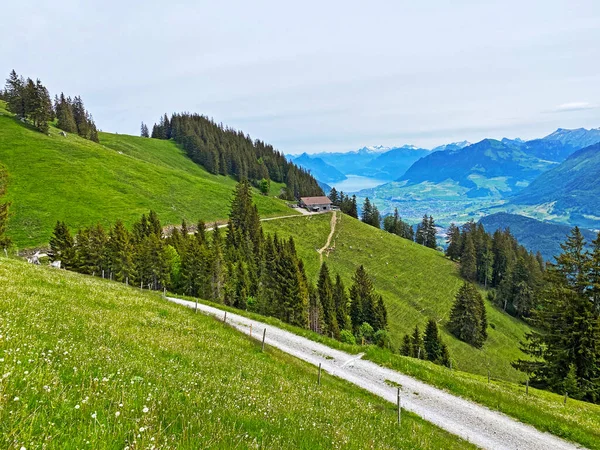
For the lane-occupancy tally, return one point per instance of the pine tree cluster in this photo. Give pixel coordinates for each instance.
(428, 345)
(565, 346)
(426, 232)
(242, 268)
(395, 225)
(72, 117)
(499, 262)
(345, 203)
(30, 101)
(225, 151)
(370, 214)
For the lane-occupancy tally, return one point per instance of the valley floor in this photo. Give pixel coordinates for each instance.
(474, 423)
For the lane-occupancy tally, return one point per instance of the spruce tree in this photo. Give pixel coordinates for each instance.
(468, 260)
(468, 321)
(453, 240)
(325, 290)
(430, 233)
(120, 253)
(432, 342)
(416, 349)
(62, 246)
(340, 300)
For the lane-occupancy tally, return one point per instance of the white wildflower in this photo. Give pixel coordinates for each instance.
(145, 410)
(94, 415)
(77, 406)
(118, 413)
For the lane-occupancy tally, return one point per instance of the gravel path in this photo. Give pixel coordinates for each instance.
(472, 422)
(328, 243)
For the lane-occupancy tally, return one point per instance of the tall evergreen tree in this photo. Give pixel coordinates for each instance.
(340, 300)
(325, 290)
(468, 320)
(468, 260)
(453, 251)
(144, 130)
(120, 253)
(62, 246)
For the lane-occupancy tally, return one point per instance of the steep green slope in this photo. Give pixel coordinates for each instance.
(56, 178)
(417, 284)
(87, 363)
(569, 192)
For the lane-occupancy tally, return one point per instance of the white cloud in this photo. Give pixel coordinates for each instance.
(574, 106)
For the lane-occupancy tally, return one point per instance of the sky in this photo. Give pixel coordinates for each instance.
(317, 76)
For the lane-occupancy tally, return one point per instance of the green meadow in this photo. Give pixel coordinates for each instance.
(72, 179)
(88, 363)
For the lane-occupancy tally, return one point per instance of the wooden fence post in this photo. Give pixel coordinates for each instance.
(527, 387)
(127, 281)
(488, 376)
(263, 341)
(225, 317)
(196, 308)
(250, 330)
(102, 273)
(319, 379)
(566, 396)
(399, 408)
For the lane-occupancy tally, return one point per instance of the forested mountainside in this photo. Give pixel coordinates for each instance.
(225, 151)
(534, 235)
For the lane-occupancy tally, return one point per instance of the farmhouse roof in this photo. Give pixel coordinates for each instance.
(315, 200)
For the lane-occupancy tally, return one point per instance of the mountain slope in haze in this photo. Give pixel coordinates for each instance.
(393, 163)
(570, 191)
(534, 235)
(73, 179)
(349, 163)
(319, 169)
(417, 283)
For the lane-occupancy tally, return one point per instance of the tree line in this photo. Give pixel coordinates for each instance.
(344, 202)
(239, 267)
(226, 151)
(564, 346)
(498, 262)
(31, 101)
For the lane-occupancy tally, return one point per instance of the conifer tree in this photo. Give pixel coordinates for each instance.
(468, 260)
(430, 233)
(120, 253)
(14, 93)
(325, 290)
(62, 246)
(453, 251)
(406, 347)
(340, 300)
(144, 130)
(416, 349)
(468, 320)
(64, 115)
(432, 342)
(334, 197)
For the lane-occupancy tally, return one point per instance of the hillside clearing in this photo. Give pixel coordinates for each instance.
(72, 179)
(417, 283)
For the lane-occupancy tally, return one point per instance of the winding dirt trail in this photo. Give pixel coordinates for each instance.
(328, 243)
(477, 424)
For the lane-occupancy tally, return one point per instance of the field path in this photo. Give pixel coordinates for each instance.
(475, 423)
(328, 243)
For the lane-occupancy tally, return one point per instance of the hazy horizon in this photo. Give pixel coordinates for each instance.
(317, 77)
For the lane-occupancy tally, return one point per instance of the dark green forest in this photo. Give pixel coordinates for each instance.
(225, 151)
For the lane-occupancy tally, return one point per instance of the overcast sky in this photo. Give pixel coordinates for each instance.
(320, 75)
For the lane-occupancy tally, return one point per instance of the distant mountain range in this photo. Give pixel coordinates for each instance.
(499, 168)
(319, 169)
(569, 192)
(534, 235)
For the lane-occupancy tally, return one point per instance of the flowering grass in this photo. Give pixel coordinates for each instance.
(576, 421)
(88, 363)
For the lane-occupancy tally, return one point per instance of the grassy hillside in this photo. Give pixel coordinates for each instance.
(90, 363)
(417, 284)
(55, 178)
